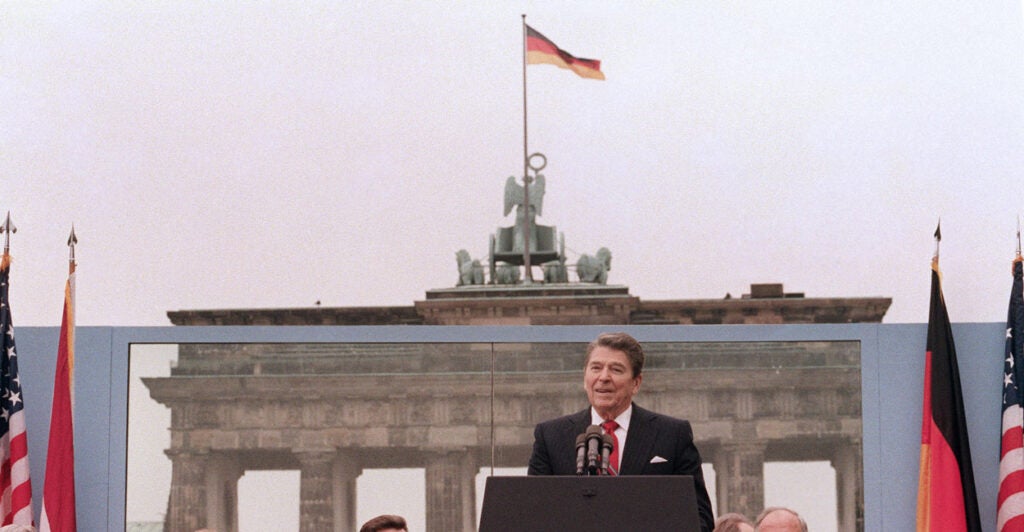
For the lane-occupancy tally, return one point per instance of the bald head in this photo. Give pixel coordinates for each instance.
(778, 519)
(733, 522)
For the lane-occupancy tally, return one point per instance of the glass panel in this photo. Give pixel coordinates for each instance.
(365, 412)
(813, 495)
(149, 469)
(237, 408)
(257, 511)
(394, 492)
(788, 404)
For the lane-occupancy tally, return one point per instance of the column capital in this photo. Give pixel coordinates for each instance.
(187, 452)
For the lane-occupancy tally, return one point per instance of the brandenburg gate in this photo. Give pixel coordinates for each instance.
(332, 410)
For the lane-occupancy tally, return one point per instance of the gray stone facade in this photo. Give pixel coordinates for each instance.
(332, 410)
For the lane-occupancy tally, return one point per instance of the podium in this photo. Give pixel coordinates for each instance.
(560, 503)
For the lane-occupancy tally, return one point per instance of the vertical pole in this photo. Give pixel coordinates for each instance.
(528, 275)
(1018, 236)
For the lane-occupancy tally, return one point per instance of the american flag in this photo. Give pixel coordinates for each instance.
(16, 498)
(1010, 513)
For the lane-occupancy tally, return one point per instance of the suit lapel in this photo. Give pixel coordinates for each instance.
(639, 441)
(578, 423)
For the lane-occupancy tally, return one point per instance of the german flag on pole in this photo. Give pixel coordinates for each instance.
(946, 498)
(540, 50)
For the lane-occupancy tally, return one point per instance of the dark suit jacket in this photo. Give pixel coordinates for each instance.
(650, 434)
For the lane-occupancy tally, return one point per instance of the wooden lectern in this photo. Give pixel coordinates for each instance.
(568, 503)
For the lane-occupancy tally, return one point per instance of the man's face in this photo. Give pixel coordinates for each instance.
(609, 381)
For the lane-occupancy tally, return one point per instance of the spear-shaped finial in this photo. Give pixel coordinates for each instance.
(938, 238)
(72, 240)
(1018, 236)
(7, 228)
(1017, 258)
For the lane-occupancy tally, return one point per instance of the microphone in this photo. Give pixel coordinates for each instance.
(581, 452)
(606, 453)
(593, 435)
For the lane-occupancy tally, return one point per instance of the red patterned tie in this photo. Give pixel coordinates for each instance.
(613, 461)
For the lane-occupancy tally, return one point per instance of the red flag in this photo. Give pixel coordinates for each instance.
(1010, 505)
(946, 498)
(15, 484)
(58, 513)
(540, 50)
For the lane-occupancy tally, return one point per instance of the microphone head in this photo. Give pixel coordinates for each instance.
(594, 431)
(606, 441)
(581, 440)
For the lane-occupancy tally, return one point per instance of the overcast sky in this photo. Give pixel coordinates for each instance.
(273, 154)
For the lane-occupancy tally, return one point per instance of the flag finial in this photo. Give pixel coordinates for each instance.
(72, 240)
(938, 238)
(1018, 258)
(7, 228)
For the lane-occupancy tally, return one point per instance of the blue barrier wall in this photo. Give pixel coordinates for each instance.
(892, 362)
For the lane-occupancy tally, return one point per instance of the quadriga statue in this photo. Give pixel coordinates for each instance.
(594, 269)
(506, 274)
(470, 269)
(555, 271)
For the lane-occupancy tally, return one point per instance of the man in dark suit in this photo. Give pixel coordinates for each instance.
(647, 443)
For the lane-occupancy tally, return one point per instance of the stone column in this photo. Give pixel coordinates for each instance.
(222, 474)
(739, 478)
(849, 493)
(186, 507)
(316, 494)
(346, 472)
(451, 491)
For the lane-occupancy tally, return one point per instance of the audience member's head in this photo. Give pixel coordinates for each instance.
(385, 523)
(779, 519)
(733, 522)
(17, 528)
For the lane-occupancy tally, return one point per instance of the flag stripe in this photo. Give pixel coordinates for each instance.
(945, 501)
(1013, 435)
(1010, 486)
(541, 50)
(1016, 522)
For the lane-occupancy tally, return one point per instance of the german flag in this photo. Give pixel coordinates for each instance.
(946, 498)
(540, 50)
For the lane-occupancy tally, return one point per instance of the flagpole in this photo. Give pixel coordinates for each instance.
(1018, 258)
(528, 277)
(72, 240)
